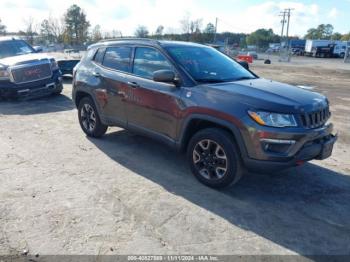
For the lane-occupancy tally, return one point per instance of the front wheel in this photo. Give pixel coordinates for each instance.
(89, 119)
(214, 158)
(58, 91)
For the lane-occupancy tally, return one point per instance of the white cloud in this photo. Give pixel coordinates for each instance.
(266, 15)
(333, 13)
(126, 15)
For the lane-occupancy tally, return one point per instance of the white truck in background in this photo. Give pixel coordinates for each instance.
(325, 48)
(347, 53)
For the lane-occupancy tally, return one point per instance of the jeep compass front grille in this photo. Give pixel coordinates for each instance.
(315, 119)
(30, 73)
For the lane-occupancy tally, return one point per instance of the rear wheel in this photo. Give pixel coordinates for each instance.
(214, 158)
(89, 119)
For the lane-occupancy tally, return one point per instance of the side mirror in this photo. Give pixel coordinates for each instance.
(164, 76)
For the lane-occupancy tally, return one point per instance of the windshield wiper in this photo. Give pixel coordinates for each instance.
(211, 80)
(244, 78)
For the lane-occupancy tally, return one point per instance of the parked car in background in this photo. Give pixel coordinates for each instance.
(253, 54)
(196, 99)
(71, 51)
(67, 65)
(26, 73)
(243, 63)
(274, 47)
(297, 46)
(38, 48)
(297, 51)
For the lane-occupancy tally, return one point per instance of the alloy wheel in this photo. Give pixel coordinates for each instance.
(88, 117)
(210, 159)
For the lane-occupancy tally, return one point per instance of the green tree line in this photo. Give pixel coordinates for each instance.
(326, 31)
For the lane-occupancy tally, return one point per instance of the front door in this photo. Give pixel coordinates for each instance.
(151, 105)
(115, 66)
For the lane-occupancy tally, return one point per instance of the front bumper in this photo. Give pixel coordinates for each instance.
(274, 149)
(33, 89)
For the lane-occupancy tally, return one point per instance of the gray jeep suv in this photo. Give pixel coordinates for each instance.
(196, 99)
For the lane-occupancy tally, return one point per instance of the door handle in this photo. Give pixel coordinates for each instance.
(95, 74)
(133, 84)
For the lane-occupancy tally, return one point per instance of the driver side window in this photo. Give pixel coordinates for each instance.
(149, 60)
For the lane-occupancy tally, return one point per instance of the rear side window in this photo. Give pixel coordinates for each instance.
(149, 60)
(99, 55)
(118, 58)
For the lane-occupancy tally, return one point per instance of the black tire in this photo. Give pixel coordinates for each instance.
(227, 148)
(57, 92)
(91, 123)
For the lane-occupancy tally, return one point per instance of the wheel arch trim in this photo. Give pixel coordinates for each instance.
(218, 121)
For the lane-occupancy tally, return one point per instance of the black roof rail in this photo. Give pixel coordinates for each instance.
(129, 39)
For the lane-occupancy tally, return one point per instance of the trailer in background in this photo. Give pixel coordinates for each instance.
(325, 48)
(347, 53)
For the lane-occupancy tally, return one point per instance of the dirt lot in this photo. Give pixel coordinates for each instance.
(63, 193)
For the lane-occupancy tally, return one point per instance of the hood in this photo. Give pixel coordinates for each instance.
(23, 59)
(263, 94)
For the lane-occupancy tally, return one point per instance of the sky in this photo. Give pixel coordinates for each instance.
(243, 16)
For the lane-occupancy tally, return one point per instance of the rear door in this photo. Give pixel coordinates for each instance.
(116, 65)
(152, 106)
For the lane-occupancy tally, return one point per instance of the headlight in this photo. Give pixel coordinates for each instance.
(54, 65)
(273, 119)
(4, 74)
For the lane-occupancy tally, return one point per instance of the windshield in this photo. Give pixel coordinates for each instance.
(14, 48)
(207, 65)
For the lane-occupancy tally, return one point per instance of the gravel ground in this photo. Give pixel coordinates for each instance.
(63, 193)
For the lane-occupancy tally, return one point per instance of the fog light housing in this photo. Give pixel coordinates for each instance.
(277, 146)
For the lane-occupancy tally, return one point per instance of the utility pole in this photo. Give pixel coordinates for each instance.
(216, 29)
(283, 14)
(288, 10)
(288, 14)
(284, 50)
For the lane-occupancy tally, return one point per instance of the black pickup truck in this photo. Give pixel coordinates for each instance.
(26, 73)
